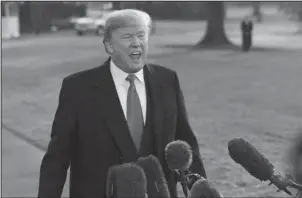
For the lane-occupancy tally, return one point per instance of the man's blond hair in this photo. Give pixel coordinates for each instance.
(123, 18)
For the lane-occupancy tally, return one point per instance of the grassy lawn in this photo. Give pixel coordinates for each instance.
(255, 95)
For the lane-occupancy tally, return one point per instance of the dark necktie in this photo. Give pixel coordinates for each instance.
(134, 112)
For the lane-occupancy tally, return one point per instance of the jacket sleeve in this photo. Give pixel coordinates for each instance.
(55, 163)
(185, 133)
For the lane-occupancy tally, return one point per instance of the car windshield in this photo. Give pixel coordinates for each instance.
(97, 15)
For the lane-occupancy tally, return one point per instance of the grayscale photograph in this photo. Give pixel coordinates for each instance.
(143, 99)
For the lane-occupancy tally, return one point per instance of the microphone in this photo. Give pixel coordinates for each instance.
(111, 181)
(245, 154)
(126, 180)
(250, 158)
(178, 155)
(157, 185)
(204, 189)
(179, 158)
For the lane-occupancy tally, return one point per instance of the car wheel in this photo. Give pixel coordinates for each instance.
(54, 28)
(80, 33)
(100, 30)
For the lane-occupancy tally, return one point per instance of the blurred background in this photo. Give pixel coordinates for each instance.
(229, 93)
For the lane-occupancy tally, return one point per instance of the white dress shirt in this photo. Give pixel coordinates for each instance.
(122, 86)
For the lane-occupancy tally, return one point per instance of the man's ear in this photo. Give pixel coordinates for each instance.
(108, 47)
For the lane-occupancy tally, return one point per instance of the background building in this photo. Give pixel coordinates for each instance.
(10, 27)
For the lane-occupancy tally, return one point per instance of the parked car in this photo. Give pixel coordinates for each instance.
(61, 24)
(94, 22)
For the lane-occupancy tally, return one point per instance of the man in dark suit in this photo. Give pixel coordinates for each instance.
(115, 113)
(247, 32)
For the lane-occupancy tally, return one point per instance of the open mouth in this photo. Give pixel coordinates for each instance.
(135, 55)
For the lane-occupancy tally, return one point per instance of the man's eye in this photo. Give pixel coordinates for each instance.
(126, 36)
(142, 35)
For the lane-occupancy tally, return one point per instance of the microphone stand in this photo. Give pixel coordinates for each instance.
(184, 182)
(187, 179)
(283, 183)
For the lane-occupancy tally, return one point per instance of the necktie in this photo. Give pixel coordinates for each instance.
(134, 112)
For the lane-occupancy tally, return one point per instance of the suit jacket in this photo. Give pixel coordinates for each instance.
(90, 132)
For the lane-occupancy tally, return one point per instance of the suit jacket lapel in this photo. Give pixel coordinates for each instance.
(107, 101)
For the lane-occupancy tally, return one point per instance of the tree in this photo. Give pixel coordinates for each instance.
(117, 5)
(256, 11)
(294, 9)
(215, 35)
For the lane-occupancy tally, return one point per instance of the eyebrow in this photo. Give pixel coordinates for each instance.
(142, 31)
(128, 33)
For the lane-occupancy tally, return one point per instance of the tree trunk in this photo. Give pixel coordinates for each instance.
(300, 19)
(256, 11)
(215, 35)
(117, 5)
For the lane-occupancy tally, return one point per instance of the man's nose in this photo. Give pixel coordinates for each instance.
(135, 42)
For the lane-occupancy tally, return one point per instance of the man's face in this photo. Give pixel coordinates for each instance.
(129, 47)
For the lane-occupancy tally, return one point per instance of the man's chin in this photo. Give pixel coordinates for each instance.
(136, 66)
(137, 61)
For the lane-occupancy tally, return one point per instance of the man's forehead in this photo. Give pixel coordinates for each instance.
(132, 28)
(128, 22)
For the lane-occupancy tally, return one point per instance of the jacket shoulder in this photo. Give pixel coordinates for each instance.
(161, 70)
(81, 75)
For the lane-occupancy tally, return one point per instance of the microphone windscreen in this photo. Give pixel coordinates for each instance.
(251, 159)
(130, 181)
(157, 185)
(204, 189)
(178, 155)
(111, 181)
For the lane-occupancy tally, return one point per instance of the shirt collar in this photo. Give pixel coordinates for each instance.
(120, 76)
